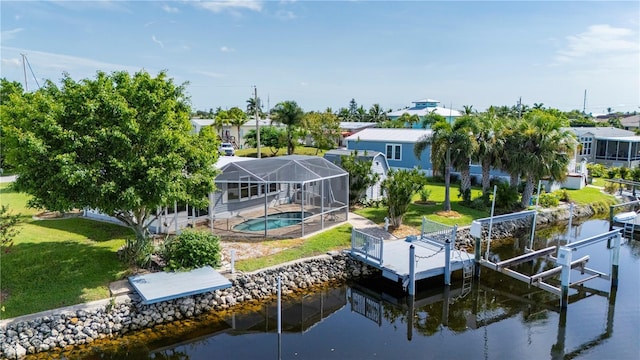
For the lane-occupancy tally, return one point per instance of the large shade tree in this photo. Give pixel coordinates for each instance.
(119, 143)
(400, 186)
(324, 129)
(291, 115)
(237, 118)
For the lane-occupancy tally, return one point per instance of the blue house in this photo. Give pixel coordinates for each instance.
(425, 107)
(398, 144)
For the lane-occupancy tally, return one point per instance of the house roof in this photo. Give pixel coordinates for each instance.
(280, 169)
(603, 132)
(426, 100)
(426, 111)
(631, 121)
(367, 154)
(355, 125)
(202, 122)
(395, 135)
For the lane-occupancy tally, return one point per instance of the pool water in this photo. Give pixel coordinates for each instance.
(274, 221)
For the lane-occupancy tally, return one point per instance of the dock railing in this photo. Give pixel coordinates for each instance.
(367, 245)
(437, 233)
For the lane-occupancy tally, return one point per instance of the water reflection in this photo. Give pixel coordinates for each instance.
(497, 317)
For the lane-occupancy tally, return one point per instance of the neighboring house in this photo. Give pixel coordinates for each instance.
(198, 124)
(607, 146)
(425, 107)
(348, 128)
(631, 123)
(379, 165)
(398, 144)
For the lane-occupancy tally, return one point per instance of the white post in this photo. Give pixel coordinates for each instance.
(570, 220)
(535, 215)
(175, 217)
(412, 270)
(279, 305)
(386, 223)
(564, 259)
(493, 206)
(447, 262)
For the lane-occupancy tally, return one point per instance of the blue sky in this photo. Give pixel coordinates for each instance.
(324, 53)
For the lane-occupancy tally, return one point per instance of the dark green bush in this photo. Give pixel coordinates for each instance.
(192, 249)
(506, 196)
(549, 200)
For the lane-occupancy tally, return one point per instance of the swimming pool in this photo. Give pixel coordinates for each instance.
(274, 221)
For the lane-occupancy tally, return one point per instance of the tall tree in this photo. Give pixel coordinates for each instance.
(237, 118)
(360, 175)
(289, 114)
(377, 114)
(252, 104)
(221, 120)
(489, 145)
(449, 147)
(468, 109)
(546, 148)
(119, 143)
(324, 129)
(353, 110)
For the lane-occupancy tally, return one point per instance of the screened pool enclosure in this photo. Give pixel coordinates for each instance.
(286, 196)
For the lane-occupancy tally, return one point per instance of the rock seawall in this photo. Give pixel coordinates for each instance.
(84, 326)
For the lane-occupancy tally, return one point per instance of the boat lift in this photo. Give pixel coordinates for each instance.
(564, 259)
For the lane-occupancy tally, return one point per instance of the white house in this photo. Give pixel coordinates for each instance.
(425, 107)
(379, 165)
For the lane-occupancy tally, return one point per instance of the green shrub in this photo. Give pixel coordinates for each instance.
(624, 172)
(424, 194)
(596, 170)
(562, 195)
(506, 196)
(610, 188)
(612, 172)
(548, 200)
(192, 249)
(137, 252)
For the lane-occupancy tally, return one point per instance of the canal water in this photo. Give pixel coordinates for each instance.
(493, 318)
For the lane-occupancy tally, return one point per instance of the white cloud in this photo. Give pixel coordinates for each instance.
(219, 6)
(50, 65)
(13, 62)
(170, 9)
(227, 49)
(599, 40)
(285, 15)
(304, 83)
(210, 74)
(10, 34)
(155, 40)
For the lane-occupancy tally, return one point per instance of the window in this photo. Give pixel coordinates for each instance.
(586, 142)
(394, 152)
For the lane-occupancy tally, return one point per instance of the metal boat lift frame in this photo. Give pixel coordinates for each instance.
(564, 260)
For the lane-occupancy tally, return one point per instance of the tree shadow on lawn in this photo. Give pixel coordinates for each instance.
(91, 229)
(47, 275)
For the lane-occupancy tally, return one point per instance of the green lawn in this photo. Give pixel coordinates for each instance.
(266, 152)
(416, 211)
(57, 263)
(332, 239)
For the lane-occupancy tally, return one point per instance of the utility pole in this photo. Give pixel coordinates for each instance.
(256, 106)
(520, 107)
(24, 69)
(584, 103)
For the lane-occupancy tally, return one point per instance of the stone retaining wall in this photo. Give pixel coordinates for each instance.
(79, 327)
(83, 326)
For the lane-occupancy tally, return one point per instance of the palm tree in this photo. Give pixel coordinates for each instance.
(450, 146)
(291, 115)
(489, 145)
(468, 109)
(237, 118)
(538, 106)
(377, 114)
(221, 119)
(252, 104)
(545, 148)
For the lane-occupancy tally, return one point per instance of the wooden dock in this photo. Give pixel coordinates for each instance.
(432, 252)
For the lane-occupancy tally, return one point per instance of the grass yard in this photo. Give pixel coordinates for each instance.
(333, 239)
(266, 152)
(416, 211)
(590, 195)
(56, 263)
